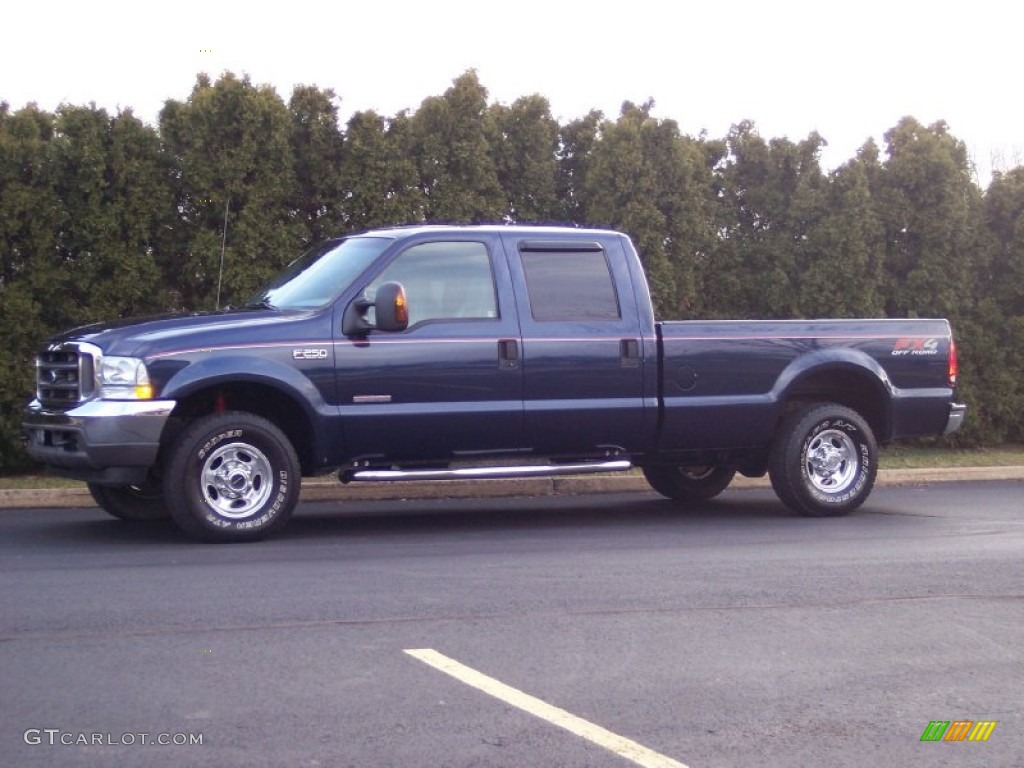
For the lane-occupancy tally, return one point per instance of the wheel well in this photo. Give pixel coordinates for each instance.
(859, 391)
(259, 399)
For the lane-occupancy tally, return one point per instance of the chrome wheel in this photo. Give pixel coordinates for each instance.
(824, 460)
(831, 461)
(236, 480)
(231, 476)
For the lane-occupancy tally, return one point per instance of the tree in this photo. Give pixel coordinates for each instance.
(840, 269)
(31, 215)
(230, 142)
(449, 140)
(379, 176)
(113, 187)
(30, 219)
(316, 144)
(647, 179)
(78, 157)
(575, 150)
(770, 200)
(87, 204)
(1004, 218)
(936, 246)
(997, 323)
(524, 145)
(932, 213)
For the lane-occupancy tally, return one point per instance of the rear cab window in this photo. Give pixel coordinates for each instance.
(569, 282)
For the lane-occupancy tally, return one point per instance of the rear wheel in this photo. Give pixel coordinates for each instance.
(691, 483)
(137, 503)
(232, 476)
(824, 460)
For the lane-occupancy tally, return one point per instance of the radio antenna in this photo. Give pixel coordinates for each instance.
(223, 247)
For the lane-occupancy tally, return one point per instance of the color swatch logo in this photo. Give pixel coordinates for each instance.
(959, 730)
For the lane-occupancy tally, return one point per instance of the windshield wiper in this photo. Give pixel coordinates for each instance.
(263, 303)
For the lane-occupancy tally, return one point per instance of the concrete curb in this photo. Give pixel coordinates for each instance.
(329, 490)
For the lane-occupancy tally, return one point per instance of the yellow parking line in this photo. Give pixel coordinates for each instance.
(620, 745)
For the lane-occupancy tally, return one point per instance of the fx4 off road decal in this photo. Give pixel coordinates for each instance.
(915, 347)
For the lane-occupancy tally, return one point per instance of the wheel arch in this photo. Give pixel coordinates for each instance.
(284, 399)
(843, 376)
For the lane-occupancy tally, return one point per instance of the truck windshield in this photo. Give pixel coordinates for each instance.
(319, 275)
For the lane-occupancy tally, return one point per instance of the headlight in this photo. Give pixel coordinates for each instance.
(124, 378)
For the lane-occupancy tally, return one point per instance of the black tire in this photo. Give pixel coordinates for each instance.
(824, 460)
(142, 503)
(231, 476)
(697, 483)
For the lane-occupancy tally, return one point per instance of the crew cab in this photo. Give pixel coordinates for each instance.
(438, 352)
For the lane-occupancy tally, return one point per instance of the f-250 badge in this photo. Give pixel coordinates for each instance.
(915, 347)
(309, 353)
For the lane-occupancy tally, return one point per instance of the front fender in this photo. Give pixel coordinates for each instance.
(233, 368)
(228, 369)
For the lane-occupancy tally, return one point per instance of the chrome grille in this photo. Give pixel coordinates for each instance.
(64, 375)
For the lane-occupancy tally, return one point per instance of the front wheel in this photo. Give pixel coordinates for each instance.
(137, 503)
(690, 483)
(231, 476)
(824, 460)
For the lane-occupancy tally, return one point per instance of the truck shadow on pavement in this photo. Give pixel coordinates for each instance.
(523, 514)
(365, 520)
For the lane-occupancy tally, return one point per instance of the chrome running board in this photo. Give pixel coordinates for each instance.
(487, 473)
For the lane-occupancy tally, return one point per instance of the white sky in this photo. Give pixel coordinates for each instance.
(849, 70)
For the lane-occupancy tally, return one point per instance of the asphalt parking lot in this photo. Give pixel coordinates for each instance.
(731, 635)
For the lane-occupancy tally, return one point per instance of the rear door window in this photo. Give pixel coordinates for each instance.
(570, 286)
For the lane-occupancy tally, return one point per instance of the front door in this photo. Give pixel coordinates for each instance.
(449, 386)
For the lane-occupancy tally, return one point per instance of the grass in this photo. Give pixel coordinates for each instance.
(34, 481)
(893, 457)
(917, 457)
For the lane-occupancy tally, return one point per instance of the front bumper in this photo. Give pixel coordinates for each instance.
(957, 411)
(103, 440)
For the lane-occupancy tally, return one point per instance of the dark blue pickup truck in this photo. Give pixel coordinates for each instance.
(437, 352)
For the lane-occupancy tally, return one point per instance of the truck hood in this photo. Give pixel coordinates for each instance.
(141, 337)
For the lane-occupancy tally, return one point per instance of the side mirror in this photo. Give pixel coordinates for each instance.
(392, 307)
(392, 310)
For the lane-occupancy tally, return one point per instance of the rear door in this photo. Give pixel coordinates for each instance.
(583, 356)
